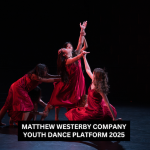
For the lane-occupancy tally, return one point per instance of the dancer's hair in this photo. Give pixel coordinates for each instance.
(61, 63)
(39, 70)
(73, 51)
(35, 94)
(101, 80)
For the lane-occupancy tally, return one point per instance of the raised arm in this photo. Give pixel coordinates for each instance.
(81, 38)
(85, 45)
(87, 67)
(71, 60)
(108, 105)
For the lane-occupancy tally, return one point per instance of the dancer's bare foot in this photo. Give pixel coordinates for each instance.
(119, 119)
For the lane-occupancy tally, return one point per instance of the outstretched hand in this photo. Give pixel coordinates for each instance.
(84, 53)
(44, 115)
(46, 111)
(83, 26)
(59, 51)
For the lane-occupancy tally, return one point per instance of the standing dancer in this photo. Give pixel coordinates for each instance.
(98, 105)
(18, 98)
(69, 91)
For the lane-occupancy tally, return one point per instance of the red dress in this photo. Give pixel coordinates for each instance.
(18, 98)
(96, 109)
(68, 95)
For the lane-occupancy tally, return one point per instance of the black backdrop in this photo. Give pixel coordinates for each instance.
(118, 35)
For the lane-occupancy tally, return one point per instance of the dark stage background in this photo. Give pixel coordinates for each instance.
(118, 35)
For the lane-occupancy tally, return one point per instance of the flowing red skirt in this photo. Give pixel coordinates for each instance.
(96, 109)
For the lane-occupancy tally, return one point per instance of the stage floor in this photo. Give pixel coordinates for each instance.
(139, 117)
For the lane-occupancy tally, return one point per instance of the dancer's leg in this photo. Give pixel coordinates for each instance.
(25, 116)
(56, 113)
(11, 123)
(2, 114)
(7, 105)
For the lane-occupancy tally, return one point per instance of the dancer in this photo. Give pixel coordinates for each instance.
(35, 96)
(18, 98)
(98, 105)
(69, 91)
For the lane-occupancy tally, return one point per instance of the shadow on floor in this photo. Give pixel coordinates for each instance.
(12, 130)
(102, 145)
(99, 145)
